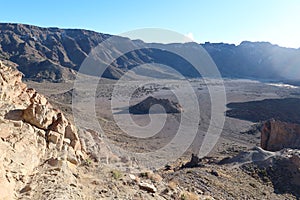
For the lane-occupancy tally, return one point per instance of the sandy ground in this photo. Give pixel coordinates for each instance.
(230, 141)
(213, 179)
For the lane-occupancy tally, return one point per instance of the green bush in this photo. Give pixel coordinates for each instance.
(116, 174)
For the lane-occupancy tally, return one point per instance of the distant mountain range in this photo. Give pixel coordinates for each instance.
(54, 54)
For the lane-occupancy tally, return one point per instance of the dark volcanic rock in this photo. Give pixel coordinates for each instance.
(194, 162)
(276, 135)
(144, 106)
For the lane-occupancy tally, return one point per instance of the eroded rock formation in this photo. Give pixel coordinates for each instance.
(276, 135)
(36, 139)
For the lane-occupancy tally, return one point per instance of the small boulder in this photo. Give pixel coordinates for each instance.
(147, 187)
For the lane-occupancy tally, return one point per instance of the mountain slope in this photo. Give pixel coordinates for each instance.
(260, 60)
(46, 53)
(55, 54)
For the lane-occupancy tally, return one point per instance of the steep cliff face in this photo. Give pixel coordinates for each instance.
(37, 141)
(277, 135)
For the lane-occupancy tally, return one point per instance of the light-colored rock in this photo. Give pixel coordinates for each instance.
(97, 149)
(147, 187)
(81, 155)
(25, 118)
(6, 185)
(71, 157)
(132, 177)
(59, 125)
(206, 197)
(54, 137)
(21, 152)
(11, 86)
(67, 141)
(41, 116)
(38, 99)
(70, 132)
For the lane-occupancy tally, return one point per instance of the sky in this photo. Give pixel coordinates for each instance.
(228, 21)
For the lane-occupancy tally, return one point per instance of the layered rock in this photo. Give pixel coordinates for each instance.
(276, 135)
(41, 114)
(33, 135)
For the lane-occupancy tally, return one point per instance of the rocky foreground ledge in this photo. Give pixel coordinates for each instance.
(44, 156)
(36, 140)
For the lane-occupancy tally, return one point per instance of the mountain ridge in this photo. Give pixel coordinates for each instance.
(55, 54)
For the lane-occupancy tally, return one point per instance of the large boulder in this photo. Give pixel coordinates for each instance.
(41, 115)
(276, 135)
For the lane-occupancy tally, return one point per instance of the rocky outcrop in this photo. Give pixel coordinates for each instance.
(37, 110)
(276, 135)
(33, 135)
(12, 86)
(282, 168)
(41, 114)
(144, 106)
(194, 162)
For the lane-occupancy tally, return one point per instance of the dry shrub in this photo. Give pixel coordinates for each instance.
(173, 184)
(189, 196)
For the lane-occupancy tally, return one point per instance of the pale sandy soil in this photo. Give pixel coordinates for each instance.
(230, 183)
(231, 137)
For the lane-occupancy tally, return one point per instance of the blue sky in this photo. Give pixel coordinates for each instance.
(230, 21)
